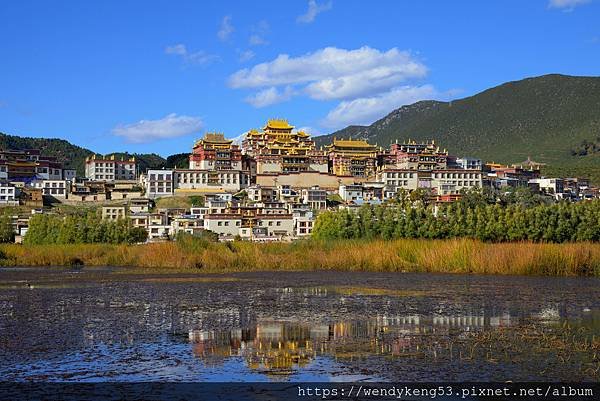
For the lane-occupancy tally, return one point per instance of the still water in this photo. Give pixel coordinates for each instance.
(117, 325)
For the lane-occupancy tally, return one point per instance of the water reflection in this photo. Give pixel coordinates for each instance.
(281, 347)
(284, 326)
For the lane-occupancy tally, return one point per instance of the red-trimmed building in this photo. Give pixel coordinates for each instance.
(214, 152)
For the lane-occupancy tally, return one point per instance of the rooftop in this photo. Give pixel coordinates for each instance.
(278, 124)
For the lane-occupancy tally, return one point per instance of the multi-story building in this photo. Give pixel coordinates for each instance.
(159, 183)
(517, 175)
(28, 164)
(396, 178)
(315, 198)
(110, 168)
(9, 195)
(89, 191)
(269, 222)
(420, 156)
(304, 220)
(468, 163)
(260, 193)
(350, 157)
(53, 188)
(278, 148)
(440, 182)
(452, 182)
(372, 192)
(113, 212)
(139, 205)
(209, 180)
(214, 152)
(550, 186)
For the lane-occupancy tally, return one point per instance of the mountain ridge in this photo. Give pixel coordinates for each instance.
(548, 118)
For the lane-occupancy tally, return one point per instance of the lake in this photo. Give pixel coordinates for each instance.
(110, 324)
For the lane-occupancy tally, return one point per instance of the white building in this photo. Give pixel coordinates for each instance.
(110, 168)
(451, 182)
(223, 224)
(53, 188)
(551, 186)
(351, 193)
(159, 183)
(210, 180)
(314, 197)
(9, 195)
(304, 221)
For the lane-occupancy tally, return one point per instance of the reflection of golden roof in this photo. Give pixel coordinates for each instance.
(278, 124)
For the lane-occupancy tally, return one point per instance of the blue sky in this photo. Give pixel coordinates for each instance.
(151, 76)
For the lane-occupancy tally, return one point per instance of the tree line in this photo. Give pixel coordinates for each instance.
(472, 217)
(78, 229)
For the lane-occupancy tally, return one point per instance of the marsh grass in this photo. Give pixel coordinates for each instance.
(405, 255)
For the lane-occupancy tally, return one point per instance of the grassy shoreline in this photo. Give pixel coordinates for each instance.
(404, 255)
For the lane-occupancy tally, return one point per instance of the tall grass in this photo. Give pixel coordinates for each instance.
(407, 255)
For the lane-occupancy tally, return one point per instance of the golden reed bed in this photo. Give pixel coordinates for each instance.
(406, 255)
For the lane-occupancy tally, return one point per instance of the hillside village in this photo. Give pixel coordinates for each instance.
(270, 187)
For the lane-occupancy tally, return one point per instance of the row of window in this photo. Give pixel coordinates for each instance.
(160, 189)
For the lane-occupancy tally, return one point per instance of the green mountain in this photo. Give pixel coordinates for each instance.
(554, 119)
(73, 156)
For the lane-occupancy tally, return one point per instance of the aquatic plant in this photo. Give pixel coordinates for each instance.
(402, 255)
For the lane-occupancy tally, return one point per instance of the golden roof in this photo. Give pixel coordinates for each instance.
(215, 137)
(278, 124)
(352, 143)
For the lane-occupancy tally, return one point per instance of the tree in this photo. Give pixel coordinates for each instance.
(7, 232)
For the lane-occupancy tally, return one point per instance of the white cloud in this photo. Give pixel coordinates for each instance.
(199, 57)
(309, 130)
(259, 31)
(257, 40)
(333, 73)
(368, 82)
(171, 126)
(245, 55)
(178, 49)
(269, 96)
(566, 5)
(226, 28)
(314, 9)
(366, 110)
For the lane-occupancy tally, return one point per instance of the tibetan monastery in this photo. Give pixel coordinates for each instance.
(278, 148)
(214, 152)
(422, 156)
(351, 157)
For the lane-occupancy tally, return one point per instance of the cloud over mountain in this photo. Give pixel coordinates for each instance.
(368, 82)
(171, 126)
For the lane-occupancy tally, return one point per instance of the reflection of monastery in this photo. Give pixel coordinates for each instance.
(281, 347)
